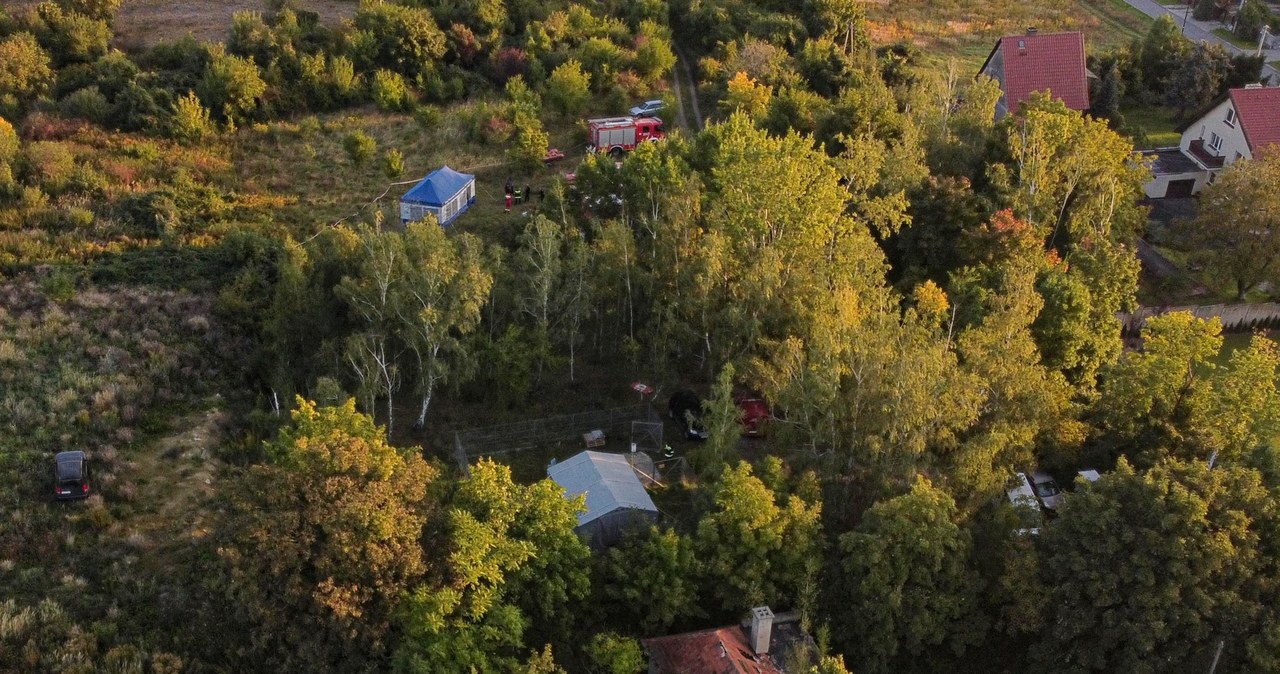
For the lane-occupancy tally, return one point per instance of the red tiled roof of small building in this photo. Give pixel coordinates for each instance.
(716, 651)
(1045, 61)
(1258, 110)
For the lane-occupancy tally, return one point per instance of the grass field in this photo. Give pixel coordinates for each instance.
(1234, 39)
(966, 29)
(309, 167)
(144, 23)
(1158, 124)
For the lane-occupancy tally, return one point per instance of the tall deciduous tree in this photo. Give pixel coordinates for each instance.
(401, 38)
(747, 96)
(755, 550)
(1197, 78)
(438, 302)
(907, 582)
(323, 540)
(1144, 569)
(1158, 52)
(1237, 232)
(373, 353)
(651, 579)
(1028, 405)
(1077, 183)
(507, 556)
(1172, 397)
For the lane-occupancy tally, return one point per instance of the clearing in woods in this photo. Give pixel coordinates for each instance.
(145, 23)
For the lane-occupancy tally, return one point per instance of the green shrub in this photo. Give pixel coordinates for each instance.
(70, 37)
(615, 654)
(88, 103)
(309, 127)
(190, 122)
(530, 146)
(343, 78)
(101, 10)
(569, 88)
(59, 285)
(26, 73)
(428, 117)
(8, 142)
(360, 147)
(232, 86)
(393, 163)
(389, 90)
(51, 164)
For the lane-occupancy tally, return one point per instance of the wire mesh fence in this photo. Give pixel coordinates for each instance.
(521, 436)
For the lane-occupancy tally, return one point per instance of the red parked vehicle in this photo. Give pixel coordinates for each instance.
(755, 414)
(616, 135)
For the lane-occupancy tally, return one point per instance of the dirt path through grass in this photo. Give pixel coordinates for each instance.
(686, 90)
(175, 476)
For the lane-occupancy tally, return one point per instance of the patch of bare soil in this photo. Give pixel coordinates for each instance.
(145, 23)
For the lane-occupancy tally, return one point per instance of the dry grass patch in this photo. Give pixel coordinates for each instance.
(145, 23)
(966, 29)
(305, 163)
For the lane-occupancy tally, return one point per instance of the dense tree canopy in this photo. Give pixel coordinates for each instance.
(923, 298)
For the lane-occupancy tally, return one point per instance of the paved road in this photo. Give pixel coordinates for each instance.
(1203, 30)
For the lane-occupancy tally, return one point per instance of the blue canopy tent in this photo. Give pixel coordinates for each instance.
(444, 193)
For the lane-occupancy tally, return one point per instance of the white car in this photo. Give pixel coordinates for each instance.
(1024, 501)
(1046, 489)
(648, 109)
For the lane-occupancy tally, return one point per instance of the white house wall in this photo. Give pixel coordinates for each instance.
(1233, 141)
(1158, 187)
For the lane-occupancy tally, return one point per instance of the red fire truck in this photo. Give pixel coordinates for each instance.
(616, 134)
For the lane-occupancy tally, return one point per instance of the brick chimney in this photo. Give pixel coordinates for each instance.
(761, 629)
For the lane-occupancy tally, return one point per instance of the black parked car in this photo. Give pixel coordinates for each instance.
(70, 476)
(686, 408)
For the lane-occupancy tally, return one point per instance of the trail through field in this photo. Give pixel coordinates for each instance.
(175, 476)
(686, 91)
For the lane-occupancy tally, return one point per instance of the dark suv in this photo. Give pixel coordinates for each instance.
(70, 476)
(686, 408)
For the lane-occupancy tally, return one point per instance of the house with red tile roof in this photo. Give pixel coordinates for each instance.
(1236, 127)
(763, 644)
(1052, 62)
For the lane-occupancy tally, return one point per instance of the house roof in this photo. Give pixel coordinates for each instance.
(1052, 62)
(608, 480)
(438, 187)
(716, 651)
(727, 650)
(1258, 110)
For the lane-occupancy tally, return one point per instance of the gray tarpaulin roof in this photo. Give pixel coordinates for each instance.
(608, 481)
